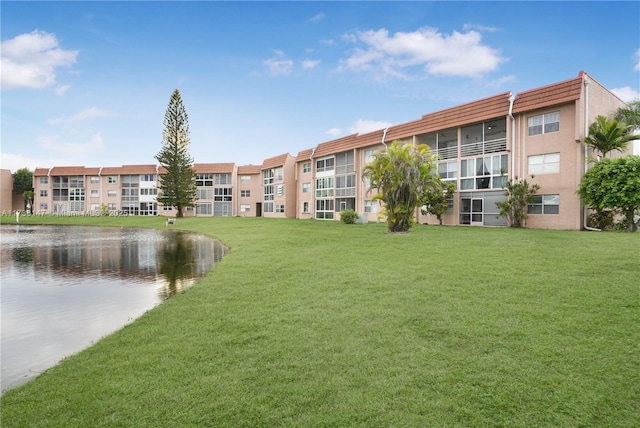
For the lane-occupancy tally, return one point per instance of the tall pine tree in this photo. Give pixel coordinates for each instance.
(177, 184)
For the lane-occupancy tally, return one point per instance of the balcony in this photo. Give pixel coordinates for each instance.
(481, 148)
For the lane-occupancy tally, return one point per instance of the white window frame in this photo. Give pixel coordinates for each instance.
(544, 205)
(544, 123)
(548, 163)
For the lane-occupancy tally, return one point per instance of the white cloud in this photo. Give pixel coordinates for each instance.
(82, 147)
(62, 89)
(501, 81)
(479, 27)
(457, 54)
(318, 17)
(309, 64)
(334, 132)
(626, 94)
(362, 126)
(637, 60)
(82, 115)
(30, 60)
(279, 66)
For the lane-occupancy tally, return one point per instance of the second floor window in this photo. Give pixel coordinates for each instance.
(544, 123)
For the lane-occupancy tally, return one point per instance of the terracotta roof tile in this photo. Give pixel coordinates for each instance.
(304, 155)
(336, 146)
(249, 169)
(215, 168)
(275, 161)
(557, 93)
(67, 170)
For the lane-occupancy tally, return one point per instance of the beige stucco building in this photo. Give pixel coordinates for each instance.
(480, 144)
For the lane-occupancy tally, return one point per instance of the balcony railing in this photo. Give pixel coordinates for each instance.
(481, 148)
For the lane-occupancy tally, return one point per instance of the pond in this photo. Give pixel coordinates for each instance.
(65, 287)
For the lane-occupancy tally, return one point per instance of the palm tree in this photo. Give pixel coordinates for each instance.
(629, 115)
(402, 174)
(608, 135)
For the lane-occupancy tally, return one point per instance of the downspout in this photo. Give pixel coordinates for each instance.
(586, 148)
(512, 98)
(384, 135)
(100, 180)
(313, 180)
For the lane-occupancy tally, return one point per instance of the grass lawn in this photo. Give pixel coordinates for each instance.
(309, 323)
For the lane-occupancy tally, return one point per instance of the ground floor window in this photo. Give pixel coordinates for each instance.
(245, 208)
(44, 207)
(480, 208)
(222, 209)
(305, 207)
(267, 207)
(130, 209)
(148, 208)
(343, 204)
(324, 209)
(370, 206)
(544, 204)
(204, 209)
(280, 208)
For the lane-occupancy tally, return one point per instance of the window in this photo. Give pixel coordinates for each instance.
(368, 155)
(130, 194)
(325, 164)
(95, 179)
(94, 193)
(222, 178)
(346, 185)
(44, 193)
(204, 194)
(305, 207)
(112, 179)
(204, 180)
(344, 163)
(280, 208)
(324, 187)
(204, 209)
(111, 207)
(544, 204)
(544, 164)
(222, 194)
(95, 207)
(544, 123)
(370, 206)
(245, 193)
(245, 208)
(44, 206)
(44, 180)
(483, 173)
(245, 179)
(278, 175)
(148, 177)
(267, 207)
(306, 187)
(112, 193)
(448, 170)
(306, 167)
(280, 189)
(324, 209)
(148, 191)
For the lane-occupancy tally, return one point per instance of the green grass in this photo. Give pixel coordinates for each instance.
(310, 323)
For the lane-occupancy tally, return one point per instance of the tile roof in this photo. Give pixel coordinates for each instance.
(335, 146)
(557, 93)
(249, 169)
(275, 161)
(215, 168)
(304, 155)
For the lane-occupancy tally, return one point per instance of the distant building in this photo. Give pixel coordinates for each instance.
(481, 145)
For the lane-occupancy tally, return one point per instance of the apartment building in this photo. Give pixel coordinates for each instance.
(481, 145)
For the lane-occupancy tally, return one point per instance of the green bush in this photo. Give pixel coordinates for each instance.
(348, 216)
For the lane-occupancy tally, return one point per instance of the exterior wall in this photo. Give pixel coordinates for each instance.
(481, 144)
(249, 195)
(6, 191)
(305, 187)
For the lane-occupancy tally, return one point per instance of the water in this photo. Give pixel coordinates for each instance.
(64, 288)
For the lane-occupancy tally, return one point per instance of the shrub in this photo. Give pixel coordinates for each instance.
(348, 216)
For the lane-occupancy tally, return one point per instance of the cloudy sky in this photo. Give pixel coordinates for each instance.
(88, 83)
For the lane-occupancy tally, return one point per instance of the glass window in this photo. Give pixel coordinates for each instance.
(305, 207)
(245, 179)
(279, 208)
(94, 193)
(44, 180)
(326, 164)
(544, 123)
(544, 204)
(112, 179)
(306, 167)
(95, 179)
(544, 164)
(245, 193)
(112, 193)
(245, 208)
(44, 193)
(306, 187)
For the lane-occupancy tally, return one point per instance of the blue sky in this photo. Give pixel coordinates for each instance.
(88, 83)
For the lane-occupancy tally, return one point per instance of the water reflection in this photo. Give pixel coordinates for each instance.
(65, 287)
